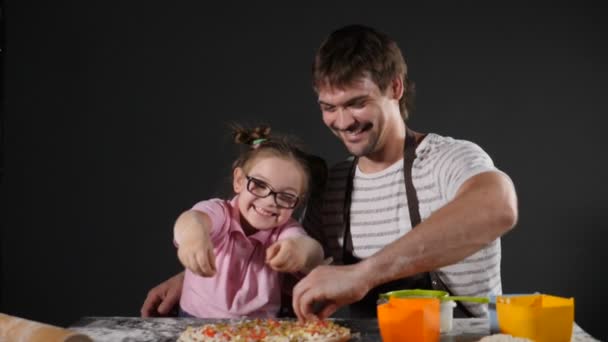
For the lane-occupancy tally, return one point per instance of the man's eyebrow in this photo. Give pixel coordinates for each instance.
(347, 102)
(325, 104)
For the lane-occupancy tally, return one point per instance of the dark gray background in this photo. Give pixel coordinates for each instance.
(115, 121)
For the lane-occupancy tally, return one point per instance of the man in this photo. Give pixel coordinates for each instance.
(410, 210)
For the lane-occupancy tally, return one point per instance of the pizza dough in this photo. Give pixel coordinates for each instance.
(267, 330)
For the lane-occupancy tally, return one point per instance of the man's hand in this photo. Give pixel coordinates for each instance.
(163, 298)
(285, 256)
(331, 287)
(197, 255)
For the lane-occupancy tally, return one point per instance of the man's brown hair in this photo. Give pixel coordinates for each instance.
(356, 51)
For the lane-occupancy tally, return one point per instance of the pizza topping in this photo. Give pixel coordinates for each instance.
(209, 331)
(266, 331)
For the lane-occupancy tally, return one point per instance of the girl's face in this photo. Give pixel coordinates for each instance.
(268, 192)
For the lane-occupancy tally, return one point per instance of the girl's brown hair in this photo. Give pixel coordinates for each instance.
(259, 142)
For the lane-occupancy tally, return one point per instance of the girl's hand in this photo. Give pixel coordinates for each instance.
(192, 236)
(197, 255)
(286, 256)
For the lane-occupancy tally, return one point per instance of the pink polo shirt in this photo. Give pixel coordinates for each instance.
(243, 285)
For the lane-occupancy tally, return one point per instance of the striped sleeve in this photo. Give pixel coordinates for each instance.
(459, 161)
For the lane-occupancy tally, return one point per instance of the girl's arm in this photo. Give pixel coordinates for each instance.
(312, 251)
(192, 237)
(191, 224)
(297, 254)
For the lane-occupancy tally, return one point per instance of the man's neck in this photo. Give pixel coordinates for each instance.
(390, 153)
(386, 156)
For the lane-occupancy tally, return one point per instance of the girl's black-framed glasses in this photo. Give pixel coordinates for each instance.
(261, 189)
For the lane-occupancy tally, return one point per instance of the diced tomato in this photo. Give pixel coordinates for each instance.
(209, 332)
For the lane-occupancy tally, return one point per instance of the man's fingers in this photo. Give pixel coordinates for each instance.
(168, 302)
(306, 305)
(151, 302)
(295, 299)
(303, 299)
(327, 310)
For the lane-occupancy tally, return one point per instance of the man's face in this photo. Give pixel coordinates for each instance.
(358, 114)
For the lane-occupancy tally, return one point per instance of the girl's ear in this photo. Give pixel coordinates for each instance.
(238, 180)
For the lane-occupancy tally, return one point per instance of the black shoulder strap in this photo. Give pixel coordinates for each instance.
(409, 147)
(408, 164)
(347, 242)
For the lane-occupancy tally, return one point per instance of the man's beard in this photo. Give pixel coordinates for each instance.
(365, 150)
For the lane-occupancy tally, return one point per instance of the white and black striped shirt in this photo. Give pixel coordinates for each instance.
(380, 215)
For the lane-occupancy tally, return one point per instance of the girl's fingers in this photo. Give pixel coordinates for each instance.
(212, 260)
(203, 262)
(193, 265)
(272, 251)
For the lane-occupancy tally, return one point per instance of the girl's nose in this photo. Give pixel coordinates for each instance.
(268, 201)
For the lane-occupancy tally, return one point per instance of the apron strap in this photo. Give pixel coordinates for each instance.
(409, 147)
(408, 164)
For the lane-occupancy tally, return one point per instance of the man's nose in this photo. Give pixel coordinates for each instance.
(344, 120)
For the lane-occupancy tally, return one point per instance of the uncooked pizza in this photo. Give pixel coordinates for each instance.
(267, 330)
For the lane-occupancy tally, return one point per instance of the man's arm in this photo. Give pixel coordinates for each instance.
(483, 209)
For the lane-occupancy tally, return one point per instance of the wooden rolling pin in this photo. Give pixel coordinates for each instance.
(15, 329)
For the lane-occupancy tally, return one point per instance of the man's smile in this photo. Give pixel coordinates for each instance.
(355, 134)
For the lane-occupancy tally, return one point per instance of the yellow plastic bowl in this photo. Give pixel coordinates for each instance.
(541, 318)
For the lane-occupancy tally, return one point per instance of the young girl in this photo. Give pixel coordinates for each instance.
(233, 250)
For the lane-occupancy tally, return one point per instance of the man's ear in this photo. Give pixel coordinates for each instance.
(239, 181)
(397, 88)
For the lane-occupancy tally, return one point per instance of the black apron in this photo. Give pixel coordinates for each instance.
(366, 307)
